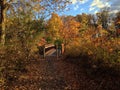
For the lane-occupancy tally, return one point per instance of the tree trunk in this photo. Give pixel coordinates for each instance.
(2, 22)
(1, 16)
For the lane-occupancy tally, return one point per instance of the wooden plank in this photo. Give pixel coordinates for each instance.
(49, 45)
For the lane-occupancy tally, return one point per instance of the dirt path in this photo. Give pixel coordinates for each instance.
(52, 74)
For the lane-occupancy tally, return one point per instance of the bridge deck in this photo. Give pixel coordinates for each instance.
(51, 52)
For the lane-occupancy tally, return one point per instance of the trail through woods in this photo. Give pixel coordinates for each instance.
(52, 74)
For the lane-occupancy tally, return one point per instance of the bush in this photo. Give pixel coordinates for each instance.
(49, 40)
(58, 41)
(104, 54)
(13, 60)
(73, 49)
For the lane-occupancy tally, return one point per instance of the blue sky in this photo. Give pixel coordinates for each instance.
(91, 6)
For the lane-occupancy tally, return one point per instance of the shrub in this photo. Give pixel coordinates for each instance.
(14, 59)
(73, 49)
(102, 54)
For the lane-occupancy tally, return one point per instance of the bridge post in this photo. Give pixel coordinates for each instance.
(44, 51)
(62, 48)
(57, 50)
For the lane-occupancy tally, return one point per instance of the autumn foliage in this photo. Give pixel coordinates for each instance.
(26, 24)
(54, 26)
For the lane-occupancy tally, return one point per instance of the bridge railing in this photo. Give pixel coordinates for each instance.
(44, 48)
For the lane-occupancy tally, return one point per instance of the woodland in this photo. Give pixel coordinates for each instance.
(91, 58)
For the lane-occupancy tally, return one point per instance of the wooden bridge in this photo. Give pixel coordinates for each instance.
(51, 50)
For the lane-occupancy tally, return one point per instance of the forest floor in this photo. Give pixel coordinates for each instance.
(62, 74)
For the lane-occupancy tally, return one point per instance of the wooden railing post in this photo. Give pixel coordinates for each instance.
(57, 50)
(44, 51)
(62, 48)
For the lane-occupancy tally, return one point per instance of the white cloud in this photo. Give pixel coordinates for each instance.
(79, 1)
(74, 1)
(83, 1)
(81, 9)
(95, 11)
(114, 11)
(115, 6)
(99, 4)
(91, 8)
(76, 7)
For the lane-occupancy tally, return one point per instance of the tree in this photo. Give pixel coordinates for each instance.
(103, 18)
(85, 21)
(2, 20)
(35, 6)
(54, 26)
(70, 30)
(117, 24)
